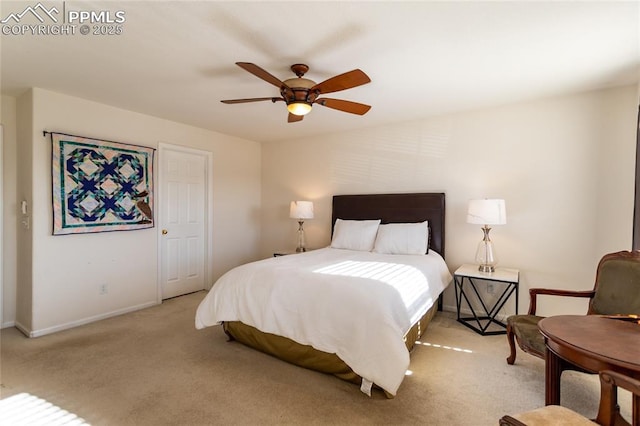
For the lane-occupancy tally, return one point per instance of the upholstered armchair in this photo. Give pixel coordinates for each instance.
(616, 292)
(608, 411)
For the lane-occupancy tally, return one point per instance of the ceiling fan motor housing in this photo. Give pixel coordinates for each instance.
(297, 90)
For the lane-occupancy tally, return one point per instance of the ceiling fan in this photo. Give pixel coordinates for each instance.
(300, 93)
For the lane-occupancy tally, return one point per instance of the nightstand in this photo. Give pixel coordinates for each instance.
(466, 280)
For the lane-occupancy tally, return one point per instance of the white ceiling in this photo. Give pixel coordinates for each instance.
(175, 60)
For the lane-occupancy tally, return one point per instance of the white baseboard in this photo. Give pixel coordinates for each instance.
(449, 308)
(22, 328)
(83, 321)
(8, 324)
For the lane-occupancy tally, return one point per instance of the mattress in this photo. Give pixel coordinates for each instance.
(357, 305)
(308, 357)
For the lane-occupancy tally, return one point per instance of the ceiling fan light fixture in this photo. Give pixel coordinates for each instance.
(299, 108)
(299, 93)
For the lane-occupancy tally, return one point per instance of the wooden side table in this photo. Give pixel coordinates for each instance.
(589, 343)
(466, 280)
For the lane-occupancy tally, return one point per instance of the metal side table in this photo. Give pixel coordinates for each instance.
(466, 279)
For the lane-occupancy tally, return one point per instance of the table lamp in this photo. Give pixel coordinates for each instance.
(486, 212)
(301, 210)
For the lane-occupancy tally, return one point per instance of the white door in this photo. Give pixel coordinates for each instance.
(182, 221)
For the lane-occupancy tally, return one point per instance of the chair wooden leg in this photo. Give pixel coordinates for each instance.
(512, 345)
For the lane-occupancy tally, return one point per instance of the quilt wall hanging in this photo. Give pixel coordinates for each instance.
(100, 185)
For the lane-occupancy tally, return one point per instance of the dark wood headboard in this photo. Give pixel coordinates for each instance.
(395, 208)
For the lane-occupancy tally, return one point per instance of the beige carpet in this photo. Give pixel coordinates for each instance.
(152, 367)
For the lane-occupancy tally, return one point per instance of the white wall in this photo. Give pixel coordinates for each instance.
(9, 211)
(565, 167)
(67, 269)
(24, 187)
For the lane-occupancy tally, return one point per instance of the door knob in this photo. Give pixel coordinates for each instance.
(164, 232)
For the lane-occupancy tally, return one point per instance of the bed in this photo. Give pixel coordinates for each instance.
(353, 309)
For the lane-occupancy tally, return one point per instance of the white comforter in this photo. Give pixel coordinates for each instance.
(355, 304)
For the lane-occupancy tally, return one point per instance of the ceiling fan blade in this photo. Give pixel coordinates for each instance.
(293, 118)
(344, 81)
(260, 73)
(241, 101)
(346, 106)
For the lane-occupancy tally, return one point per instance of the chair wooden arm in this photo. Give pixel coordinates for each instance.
(510, 421)
(534, 292)
(608, 412)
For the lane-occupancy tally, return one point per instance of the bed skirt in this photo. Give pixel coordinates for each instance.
(305, 355)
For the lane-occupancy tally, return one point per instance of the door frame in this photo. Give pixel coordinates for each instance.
(208, 210)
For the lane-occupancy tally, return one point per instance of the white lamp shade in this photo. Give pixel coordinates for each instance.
(487, 212)
(301, 210)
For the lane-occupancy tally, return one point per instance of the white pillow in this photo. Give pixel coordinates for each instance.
(402, 238)
(355, 234)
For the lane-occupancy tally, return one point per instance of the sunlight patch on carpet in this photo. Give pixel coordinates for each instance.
(26, 409)
(434, 345)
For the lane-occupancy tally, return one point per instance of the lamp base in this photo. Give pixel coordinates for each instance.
(300, 247)
(486, 268)
(485, 255)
